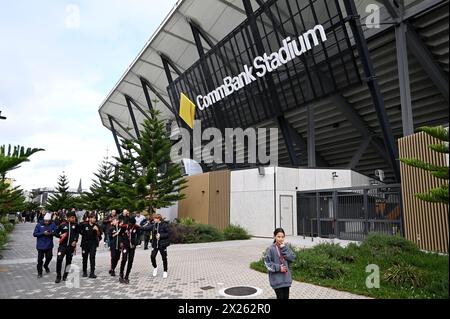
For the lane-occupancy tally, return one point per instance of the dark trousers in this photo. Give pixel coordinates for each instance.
(163, 255)
(282, 293)
(127, 255)
(89, 252)
(146, 239)
(115, 257)
(48, 254)
(67, 252)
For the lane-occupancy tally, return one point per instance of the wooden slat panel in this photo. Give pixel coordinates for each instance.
(219, 212)
(426, 224)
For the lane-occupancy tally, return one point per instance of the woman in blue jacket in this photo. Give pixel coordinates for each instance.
(277, 259)
(44, 232)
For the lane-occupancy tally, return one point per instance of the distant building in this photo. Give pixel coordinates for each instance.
(41, 195)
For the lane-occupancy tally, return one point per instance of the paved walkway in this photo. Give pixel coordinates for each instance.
(198, 271)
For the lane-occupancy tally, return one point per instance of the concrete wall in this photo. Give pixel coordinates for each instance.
(169, 213)
(252, 201)
(262, 203)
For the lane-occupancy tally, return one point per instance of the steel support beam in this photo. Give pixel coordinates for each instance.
(158, 95)
(393, 8)
(220, 118)
(426, 59)
(403, 77)
(147, 95)
(311, 137)
(116, 139)
(295, 161)
(123, 129)
(133, 118)
(372, 83)
(136, 105)
(288, 139)
(360, 152)
(300, 142)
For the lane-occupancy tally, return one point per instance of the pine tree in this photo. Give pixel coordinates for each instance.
(160, 182)
(99, 197)
(438, 195)
(62, 199)
(123, 189)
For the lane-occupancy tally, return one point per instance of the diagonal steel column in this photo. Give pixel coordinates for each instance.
(116, 139)
(360, 152)
(147, 95)
(136, 105)
(373, 85)
(122, 127)
(271, 85)
(133, 119)
(426, 59)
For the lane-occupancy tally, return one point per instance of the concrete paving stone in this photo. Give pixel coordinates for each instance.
(191, 267)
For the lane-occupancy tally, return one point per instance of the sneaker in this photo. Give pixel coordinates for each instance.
(39, 275)
(126, 281)
(155, 272)
(121, 280)
(65, 276)
(47, 270)
(92, 276)
(140, 246)
(112, 273)
(85, 274)
(58, 280)
(165, 275)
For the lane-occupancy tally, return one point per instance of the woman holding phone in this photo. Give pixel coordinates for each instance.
(277, 259)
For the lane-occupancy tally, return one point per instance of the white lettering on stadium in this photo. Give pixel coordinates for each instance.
(265, 64)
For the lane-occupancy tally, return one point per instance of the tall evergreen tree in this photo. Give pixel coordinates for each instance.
(62, 199)
(123, 190)
(99, 195)
(160, 182)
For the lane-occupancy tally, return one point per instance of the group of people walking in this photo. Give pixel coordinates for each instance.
(121, 233)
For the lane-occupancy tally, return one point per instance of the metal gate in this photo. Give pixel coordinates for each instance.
(351, 213)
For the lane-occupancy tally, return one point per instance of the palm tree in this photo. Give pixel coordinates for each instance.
(13, 157)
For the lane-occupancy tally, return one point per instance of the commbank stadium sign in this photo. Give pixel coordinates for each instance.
(267, 63)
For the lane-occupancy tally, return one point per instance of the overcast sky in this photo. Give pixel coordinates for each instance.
(59, 60)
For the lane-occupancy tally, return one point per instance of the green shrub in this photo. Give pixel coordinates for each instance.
(403, 276)
(179, 233)
(337, 252)
(234, 232)
(377, 243)
(8, 227)
(187, 221)
(318, 264)
(3, 238)
(205, 234)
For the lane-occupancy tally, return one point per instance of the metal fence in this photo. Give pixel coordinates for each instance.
(350, 214)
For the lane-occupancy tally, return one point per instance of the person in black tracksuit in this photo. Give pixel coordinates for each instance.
(68, 233)
(129, 240)
(91, 234)
(160, 241)
(115, 231)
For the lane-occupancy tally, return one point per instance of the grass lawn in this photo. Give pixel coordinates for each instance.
(405, 271)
